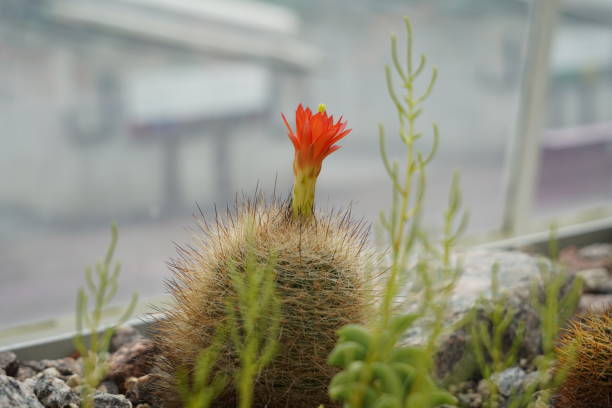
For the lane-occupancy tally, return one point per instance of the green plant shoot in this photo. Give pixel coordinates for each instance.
(487, 336)
(254, 321)
(199, 390)
(97, 295)
(376, 369)
(252, 327)
(555, 300)
(554, 304)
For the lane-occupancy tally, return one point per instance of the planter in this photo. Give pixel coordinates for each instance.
(478, 262)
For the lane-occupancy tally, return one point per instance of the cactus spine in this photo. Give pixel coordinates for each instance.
(584, 359)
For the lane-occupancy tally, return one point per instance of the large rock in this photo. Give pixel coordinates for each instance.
(53, 392)
(596, 280)
(516, 270)
(594, 303)
(14, 394)
(596, 252)
(589, 257)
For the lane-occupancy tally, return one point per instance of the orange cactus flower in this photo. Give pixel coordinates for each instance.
(314, 139)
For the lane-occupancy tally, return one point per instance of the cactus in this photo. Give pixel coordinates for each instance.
(321, 284)
(584, 362)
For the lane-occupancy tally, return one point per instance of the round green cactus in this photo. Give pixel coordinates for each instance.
(319, 266)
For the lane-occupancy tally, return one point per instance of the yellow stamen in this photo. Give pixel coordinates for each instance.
(322, 108)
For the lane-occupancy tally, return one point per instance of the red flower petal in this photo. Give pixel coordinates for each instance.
(290, 134)
(314, 137)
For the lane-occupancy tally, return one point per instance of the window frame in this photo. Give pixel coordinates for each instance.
(523, 160)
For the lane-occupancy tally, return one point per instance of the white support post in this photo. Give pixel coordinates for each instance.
(523, 162)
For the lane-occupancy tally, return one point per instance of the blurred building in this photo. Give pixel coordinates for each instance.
(133, 110)
(101, 101)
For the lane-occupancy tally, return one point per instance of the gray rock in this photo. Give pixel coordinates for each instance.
(596, 280)
(106, 400)
(24, 373)
(531, 381)
(74, 381)
(454, 361)
(542, 399)
(123, 335)
(15, 394)
(109, 387)
(509, 380)
(594, 303)
(9, 363)
(596, 251)
(483, 392)
(483, 388)
(49, 372)
(470, 399)
(53, 392)
(37, 366)
(66, 366)
(516, 270)
(131, 360)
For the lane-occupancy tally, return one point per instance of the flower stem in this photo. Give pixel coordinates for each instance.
(304, 192)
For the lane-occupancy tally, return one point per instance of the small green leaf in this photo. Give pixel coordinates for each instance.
(345, 353)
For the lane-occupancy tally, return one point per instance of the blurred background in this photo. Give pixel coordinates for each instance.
(136, 110)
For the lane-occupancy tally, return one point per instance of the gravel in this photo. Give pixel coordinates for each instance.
(14, 394)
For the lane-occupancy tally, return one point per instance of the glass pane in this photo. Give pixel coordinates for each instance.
(576, 149)
(135, 110)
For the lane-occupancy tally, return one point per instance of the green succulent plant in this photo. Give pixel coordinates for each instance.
(397, 375)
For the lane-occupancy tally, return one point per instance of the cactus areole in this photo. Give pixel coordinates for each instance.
(314, 139)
